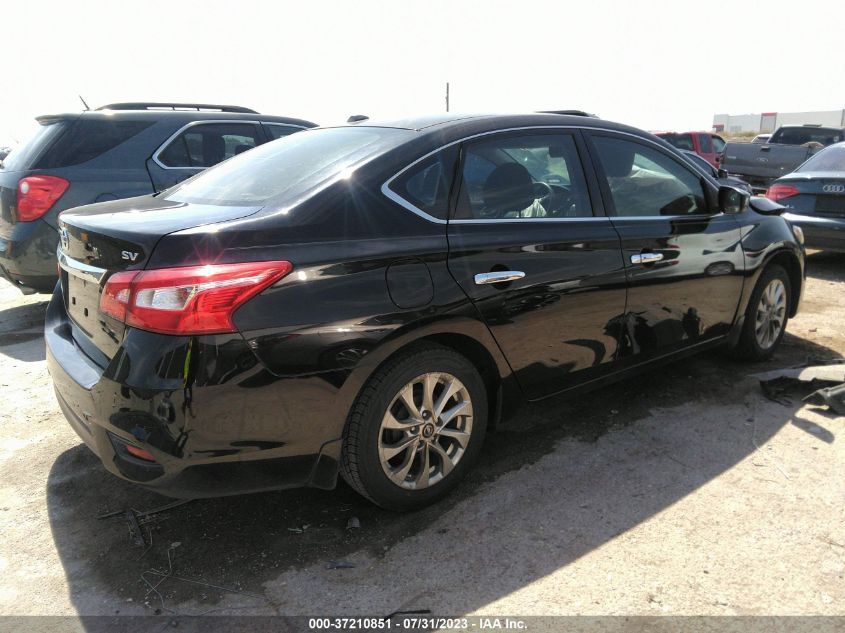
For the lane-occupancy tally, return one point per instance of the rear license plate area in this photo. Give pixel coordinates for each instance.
(831, 205)
(82, 300)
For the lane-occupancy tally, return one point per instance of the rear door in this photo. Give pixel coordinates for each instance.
(198, 146)
(683, 258)
(537, 257)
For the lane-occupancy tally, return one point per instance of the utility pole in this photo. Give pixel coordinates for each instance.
(447, 96)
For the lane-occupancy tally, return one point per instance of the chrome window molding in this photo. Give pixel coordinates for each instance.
(176, 134)
(395, 197)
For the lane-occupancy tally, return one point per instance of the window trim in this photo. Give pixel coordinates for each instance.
(590, 167)
(586, 160)
(191, 124)
(610, 207)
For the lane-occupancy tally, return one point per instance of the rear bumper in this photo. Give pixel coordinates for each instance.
(823, 233)
(28, 256)
(197, 454)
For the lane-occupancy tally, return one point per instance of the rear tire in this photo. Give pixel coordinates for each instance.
(416, 428)
(766, 316)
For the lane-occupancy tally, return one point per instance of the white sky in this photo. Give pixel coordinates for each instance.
(655, 65)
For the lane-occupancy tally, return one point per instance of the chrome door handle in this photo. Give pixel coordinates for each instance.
(646, 258)
(498, 277)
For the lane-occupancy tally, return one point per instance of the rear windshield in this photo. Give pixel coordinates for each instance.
(89, 138)
(282, 171)
(801, 135)
(830, 159)
(41, 136)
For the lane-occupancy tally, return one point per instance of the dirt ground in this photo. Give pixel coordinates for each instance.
(683, 492)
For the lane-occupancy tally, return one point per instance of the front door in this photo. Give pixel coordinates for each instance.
(542, 268)
(683, 257)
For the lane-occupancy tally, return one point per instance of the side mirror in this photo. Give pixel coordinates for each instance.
(733, 200)
(721, 173)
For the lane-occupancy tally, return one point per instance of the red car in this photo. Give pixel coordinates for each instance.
(706, 144)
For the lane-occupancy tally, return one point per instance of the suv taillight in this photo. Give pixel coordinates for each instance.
(188, 300)
(779, 192)
(36, 194)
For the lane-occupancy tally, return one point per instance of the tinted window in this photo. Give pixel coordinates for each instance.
(88, 138)
(278, 131)
(706, 146)
(645, 182)
(830, 159)
(286, 170)
(427, 184)
(513, 177)
(701, 163)
(207, 144)
(801, 135)
(718, 144)
(22, 156)
(681, 141)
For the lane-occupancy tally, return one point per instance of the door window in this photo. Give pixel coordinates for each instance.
(718, 144)
(645, 182)
(513, 177)
(209, 143)
(705, 143)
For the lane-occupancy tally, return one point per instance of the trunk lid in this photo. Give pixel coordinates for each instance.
(99, 240)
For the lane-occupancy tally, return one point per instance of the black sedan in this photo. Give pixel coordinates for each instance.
(369, 300)
(814, 196)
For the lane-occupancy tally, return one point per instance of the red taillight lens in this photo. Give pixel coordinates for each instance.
(189, 300)
(36, 194)
(779, 192)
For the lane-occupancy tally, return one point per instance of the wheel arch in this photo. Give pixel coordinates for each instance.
(789, 261)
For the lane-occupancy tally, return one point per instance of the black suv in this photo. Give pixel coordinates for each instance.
(117, 151)
(368, 299)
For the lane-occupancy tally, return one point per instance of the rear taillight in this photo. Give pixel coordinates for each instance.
(188, 300)
(36, 194)
(779, 192)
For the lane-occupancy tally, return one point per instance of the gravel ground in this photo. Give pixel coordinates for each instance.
(686, 492)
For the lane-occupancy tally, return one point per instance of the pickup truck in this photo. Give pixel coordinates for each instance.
(790, 145)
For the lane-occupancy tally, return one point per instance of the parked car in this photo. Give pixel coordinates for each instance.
(369, 299)
(706, 144)
(761, 138)
(718, 174)
(814, 196)
(117, 151)
(790, 145)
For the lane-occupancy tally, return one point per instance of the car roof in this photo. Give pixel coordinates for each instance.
(447, 124)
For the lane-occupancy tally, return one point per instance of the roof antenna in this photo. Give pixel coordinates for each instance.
(83, 102)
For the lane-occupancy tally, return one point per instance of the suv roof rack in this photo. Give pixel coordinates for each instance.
(150, 105)
(568, 112)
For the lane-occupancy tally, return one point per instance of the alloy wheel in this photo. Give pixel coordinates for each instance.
(425, 431)
(771, 314)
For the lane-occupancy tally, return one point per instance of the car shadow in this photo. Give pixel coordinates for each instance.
(246, 542)
(826, 265)
(22, 331)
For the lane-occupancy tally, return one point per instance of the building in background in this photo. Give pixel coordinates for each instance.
(770, 121)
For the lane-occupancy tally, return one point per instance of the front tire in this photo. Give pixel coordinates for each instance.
(416, 428)
(766, 316)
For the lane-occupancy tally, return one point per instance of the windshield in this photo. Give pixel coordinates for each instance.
(282, 171)
(830, 159)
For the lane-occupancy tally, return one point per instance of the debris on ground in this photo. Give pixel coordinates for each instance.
(135, 531)
(833, 397)
(817, 374)
(354, 523)
(340, 564)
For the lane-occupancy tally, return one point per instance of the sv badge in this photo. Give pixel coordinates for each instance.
(129, 255)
